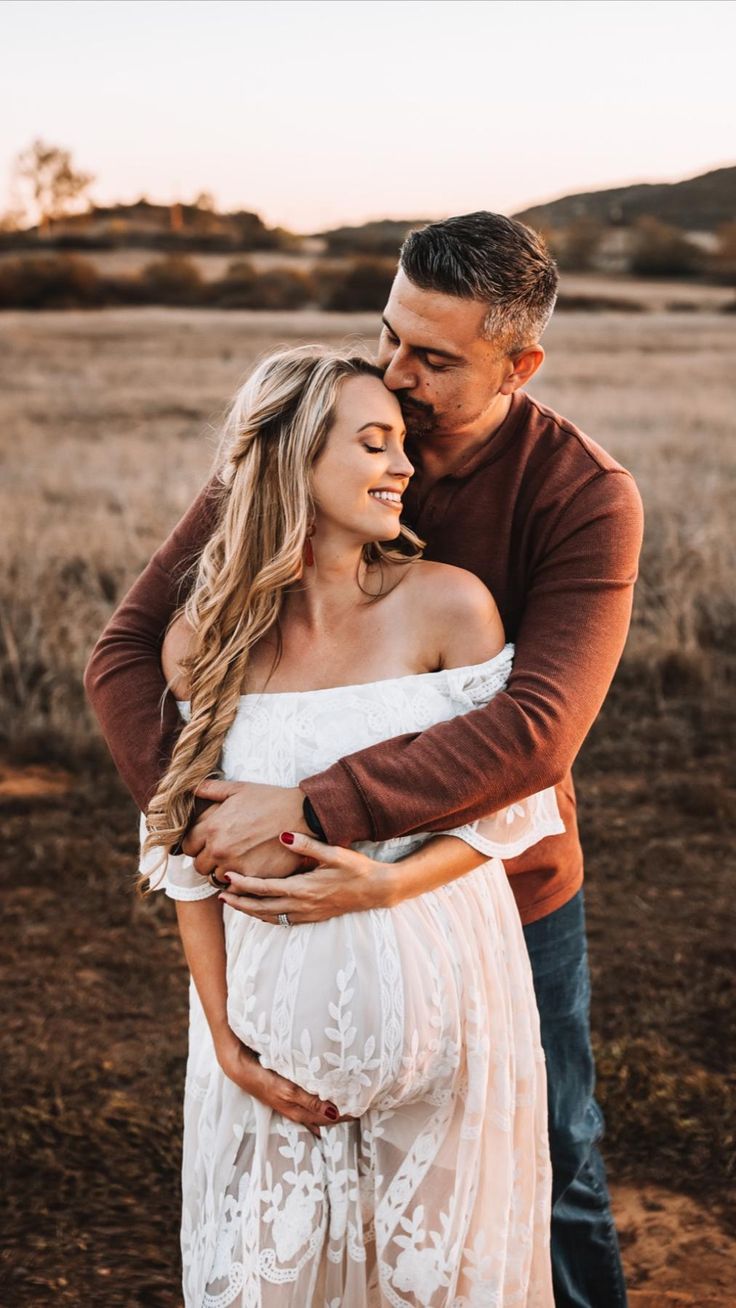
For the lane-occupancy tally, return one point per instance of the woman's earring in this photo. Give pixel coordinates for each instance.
(308, 551)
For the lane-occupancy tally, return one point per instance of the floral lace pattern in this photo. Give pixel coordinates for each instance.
(419, 1022)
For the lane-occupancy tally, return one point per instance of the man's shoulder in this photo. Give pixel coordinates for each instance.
(572, 482)
(551, 435)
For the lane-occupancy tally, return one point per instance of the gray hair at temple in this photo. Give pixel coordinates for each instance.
(488, 257)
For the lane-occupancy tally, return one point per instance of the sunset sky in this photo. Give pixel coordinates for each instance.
(313, 114)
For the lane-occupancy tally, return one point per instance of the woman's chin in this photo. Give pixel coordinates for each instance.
(386, 537)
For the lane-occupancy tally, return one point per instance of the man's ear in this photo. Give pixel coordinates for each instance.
(523, 367)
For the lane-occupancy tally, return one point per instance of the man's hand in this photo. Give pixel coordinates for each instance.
(240, 831)
(345, 881)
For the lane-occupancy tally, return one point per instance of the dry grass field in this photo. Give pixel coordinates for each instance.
(108, 425)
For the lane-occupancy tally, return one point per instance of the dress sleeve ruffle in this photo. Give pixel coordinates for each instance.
(514, 829)
(173, 873)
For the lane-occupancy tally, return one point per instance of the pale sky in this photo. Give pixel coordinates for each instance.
(318, 113)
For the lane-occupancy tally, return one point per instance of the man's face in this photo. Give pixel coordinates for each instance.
(446, 375)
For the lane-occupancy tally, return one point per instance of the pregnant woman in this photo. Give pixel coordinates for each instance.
(365, 1101)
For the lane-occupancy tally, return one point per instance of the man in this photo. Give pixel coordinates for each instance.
(552, 525)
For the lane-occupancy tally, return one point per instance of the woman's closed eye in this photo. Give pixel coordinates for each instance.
(376, 449)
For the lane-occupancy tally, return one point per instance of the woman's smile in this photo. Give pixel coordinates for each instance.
(391, 498)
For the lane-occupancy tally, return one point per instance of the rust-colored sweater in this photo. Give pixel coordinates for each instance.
(552, 525)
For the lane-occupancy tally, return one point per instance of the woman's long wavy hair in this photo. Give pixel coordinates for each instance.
(275, 431)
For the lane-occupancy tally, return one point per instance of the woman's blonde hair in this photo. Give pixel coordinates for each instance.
(275, 430)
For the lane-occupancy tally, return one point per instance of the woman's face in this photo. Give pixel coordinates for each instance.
(359, 479)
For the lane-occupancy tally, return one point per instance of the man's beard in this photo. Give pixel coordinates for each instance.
(420, 419)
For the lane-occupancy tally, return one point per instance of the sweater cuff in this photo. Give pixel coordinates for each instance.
(340, 805)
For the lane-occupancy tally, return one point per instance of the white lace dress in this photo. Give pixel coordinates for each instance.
(420, 1021)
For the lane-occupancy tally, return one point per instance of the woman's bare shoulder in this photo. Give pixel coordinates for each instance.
(456, 612)
(174, 652)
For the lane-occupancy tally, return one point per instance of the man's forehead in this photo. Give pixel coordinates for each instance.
(430, 318)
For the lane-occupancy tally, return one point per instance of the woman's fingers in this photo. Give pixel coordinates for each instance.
(298, 1104)
(278, 1093)
(307, 846)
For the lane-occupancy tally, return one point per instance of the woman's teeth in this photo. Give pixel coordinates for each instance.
(391, 497)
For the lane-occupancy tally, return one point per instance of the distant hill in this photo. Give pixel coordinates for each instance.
(381, 237)
(175, 226)
(699, 204)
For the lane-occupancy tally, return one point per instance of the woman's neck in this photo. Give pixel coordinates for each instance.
(330, 588)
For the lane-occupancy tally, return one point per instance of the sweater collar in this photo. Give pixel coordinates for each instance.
(499, 441)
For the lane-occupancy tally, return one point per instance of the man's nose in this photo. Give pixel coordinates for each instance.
(398, 375)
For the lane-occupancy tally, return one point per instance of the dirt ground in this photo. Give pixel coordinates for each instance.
(94, 1042)
(101, 447)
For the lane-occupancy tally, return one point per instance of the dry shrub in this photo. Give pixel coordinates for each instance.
(55, 592)
(362, 285)
(175, 280)
(598, 304)
(243, 287)
(282, 288)
(50, 282)
(235, 289)
(663, 251)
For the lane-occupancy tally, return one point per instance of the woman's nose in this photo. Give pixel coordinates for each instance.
(402, 467)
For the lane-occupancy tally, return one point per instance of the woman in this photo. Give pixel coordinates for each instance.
(365, 1097)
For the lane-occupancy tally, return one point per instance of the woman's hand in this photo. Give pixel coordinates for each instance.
(344, 881)
(242, 1066)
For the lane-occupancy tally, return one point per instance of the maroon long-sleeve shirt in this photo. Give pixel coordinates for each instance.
(552, 525)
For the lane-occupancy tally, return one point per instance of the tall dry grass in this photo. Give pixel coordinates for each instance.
(108, 426)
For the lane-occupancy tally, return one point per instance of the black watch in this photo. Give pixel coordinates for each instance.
(312, 821)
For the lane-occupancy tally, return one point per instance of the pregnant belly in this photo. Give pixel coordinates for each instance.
(372, 1009)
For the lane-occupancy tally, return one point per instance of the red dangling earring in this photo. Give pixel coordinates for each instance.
(308, 551)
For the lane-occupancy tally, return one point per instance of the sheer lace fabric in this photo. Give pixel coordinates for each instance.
(418, 1021)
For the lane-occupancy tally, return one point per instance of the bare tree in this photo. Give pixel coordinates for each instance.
(55, 185)
(11, 219)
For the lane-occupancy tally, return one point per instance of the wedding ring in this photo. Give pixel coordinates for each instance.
(219, 885)
(283, 919)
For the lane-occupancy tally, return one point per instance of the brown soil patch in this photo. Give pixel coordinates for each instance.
(673, 1247)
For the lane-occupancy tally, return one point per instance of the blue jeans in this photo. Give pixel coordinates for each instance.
(586, 1263)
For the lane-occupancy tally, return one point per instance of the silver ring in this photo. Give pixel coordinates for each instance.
(215, 881)
(283, 919)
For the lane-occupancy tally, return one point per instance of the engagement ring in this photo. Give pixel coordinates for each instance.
(283, 919)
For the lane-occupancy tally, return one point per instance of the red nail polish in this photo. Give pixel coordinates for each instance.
(287, 837)
(331, 1112)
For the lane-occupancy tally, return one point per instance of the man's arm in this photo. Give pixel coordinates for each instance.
(123, 679)
(569, 644)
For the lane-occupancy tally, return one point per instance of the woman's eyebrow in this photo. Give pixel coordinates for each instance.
(426, 349)
(383, 426)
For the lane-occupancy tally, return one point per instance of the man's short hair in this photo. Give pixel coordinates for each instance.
(488, 257)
